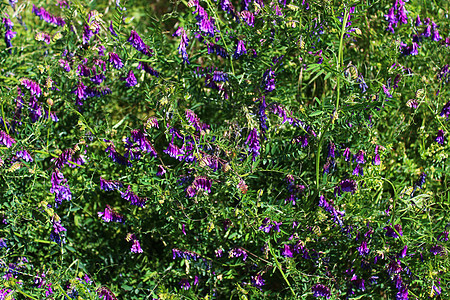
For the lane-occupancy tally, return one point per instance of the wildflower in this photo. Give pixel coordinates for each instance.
(328, 206)
(48, 17)
(348, 185)
(146, 67)
(269, 80)
(6, 140)
(60, 187)
(253, 143)
(436, 249)
(238, 252)
(183, 43)
(105, 294)
(199, 183)
(115, 60)
(184, 284)
(440, 137)
(136, 41)
(219, 50)
(34, 87)
(161, 171)
(347, 154)
(64, 64)
(302, 140)
(288, 251)
(219, 76)
(320, 290)
(3, 243)
(240, 49)
(133, 198)
(142, 142)
(376, 161)
(394, 267)
(136, 247)
(185, 254)
(23, 154)
(111, 29)
(358, 171)
(418, 22)
(117, 157)
(391, 233)
(403, 252)
(248, 17)
(109, 185)
(363, 250)
(445, 110)
(174, 151)
(109, 215)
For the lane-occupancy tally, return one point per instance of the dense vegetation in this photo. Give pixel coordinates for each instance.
(224, 149)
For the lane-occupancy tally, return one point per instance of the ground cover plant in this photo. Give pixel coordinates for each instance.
(224, 149)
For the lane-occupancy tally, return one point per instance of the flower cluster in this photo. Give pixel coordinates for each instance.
(48, 17)
(109, 215)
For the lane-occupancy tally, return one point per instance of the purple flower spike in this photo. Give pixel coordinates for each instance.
(146, 67)
(6, 140)
(115, 60)
(24, 155)
(109, 185)
(348, 185)
(258, 281)
(34, 87)
(60, 187)
(136, 248)
(320, 290)
(183, 43)
(253, 143)
(445, 110)
(109, 215)
(391, 233)
(184, 284)
(111, 29)
(440, 137)
(133, 198)
(136, 41)
(288, 251)
(240, 49)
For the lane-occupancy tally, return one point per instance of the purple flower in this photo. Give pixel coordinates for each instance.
(64, 64)
(109, 215)
(376, 161)
(34, 87)
(60, 187)
(184, 284)
(133, 198)
(426, 32)
(136, 41)
(359, 157)
(238, 252)
(348, 185)
(248, 17)
(394, 267)
(199, 183)
(269, 80)
(136, 247)
(146, 67)
(183, 43)
(23, 154)
(288, 250)
(117, 157)
(115, 60)
(240, 49)
(436, 36)
(105, 294)
(440, 137)
(184, 254)
(358, 171)
(111, 29)
(143, 143)
(328, 206)
(445, 110)
(48, 17)
(253, 143)
(391, 233)
(363, 250)
(109, 185)
(436, 249)
(347, 154)
(403, 252)
(418, 22)
(320, 290)
(219, 50)
(161, 171)
(6, 140)
(174, 151)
